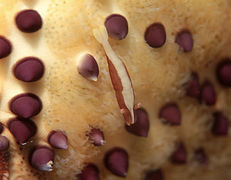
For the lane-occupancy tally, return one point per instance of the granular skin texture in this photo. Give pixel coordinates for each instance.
(75, 105)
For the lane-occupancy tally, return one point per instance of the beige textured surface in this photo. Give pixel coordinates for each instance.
(74, 104)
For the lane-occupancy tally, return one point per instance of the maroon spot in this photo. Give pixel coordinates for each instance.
(193, 86)
(42, 158)
(28, 21)
(220, 125)
(201, 157)
(96, 137)
(90, 172)
(22, 129)
(179, 156)
(58, 139)
(26, 105)
(5, 47)
(155, 35)
(116, 160)
(170, 113)
(155, 175)
(208, 94)
(184, 40)
(141, 126)
(88, 67)
(223, 72)
(29, 69)
(4, 143)
(117, 26)
(1, 128)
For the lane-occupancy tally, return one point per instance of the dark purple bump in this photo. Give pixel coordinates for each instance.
(29, 69)
(223, 72)
(89, 172)
(5, 47)
(1, 128)
(116, 160)
(26, 105)
(184, 40)
(220, 125)
(155, 175)
(141, 126)
(155, 35)
(28, 21)
(193, 87)
(42, 158)
(117, 26)
(208, 94)
(201, 156)
(170, 113)
(179, 156)
(96, 137)
(58, 140)
(88, 67)
(22, 129)
(4, 143)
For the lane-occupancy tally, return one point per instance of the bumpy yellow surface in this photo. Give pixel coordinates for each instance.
(74, 104)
